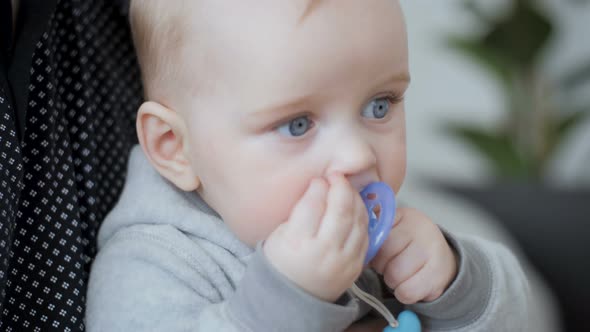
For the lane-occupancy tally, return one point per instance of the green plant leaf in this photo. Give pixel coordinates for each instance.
(569, 121)
(496, 148)
(563, 126)
(521, 36)
(480, 54)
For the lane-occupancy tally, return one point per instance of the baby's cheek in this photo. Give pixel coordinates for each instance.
(398, 176)
(254, 221)
(392, 166)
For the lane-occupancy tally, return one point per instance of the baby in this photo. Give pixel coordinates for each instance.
(241, 212)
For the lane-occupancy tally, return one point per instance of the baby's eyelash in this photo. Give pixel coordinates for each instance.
(394, 98)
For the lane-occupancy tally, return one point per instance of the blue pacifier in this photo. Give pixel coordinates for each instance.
(380, 202)
(379, 199)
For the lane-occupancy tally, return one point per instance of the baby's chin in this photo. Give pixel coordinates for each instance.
(251, 235)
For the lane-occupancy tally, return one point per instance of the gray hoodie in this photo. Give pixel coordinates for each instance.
(167, 262)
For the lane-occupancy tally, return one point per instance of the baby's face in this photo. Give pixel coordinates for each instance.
(288, 101)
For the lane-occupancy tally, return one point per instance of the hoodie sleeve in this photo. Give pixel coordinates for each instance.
(490, 292)
(138, 284)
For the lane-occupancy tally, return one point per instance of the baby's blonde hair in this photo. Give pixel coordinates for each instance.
(159, 30)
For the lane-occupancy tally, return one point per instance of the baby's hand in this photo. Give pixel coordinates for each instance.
(416, 261)
(322, 246)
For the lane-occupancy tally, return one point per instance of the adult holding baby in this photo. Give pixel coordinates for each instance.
(69, 90)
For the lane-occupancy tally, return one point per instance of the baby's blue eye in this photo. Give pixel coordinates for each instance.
(296, 127)
(377, 108)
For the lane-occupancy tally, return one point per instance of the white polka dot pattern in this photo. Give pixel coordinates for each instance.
(59, 184)
(10, 183)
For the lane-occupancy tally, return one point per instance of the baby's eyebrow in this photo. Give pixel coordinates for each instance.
(294, 103)
(401, 76)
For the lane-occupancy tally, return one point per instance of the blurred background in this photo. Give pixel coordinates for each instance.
(498, 120)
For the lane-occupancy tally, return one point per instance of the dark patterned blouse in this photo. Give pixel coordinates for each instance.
(69, 89)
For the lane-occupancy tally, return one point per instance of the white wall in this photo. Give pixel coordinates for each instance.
(447, 87)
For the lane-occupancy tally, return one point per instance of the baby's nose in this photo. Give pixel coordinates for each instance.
(355, 159)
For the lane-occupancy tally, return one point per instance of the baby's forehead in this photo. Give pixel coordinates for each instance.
(212, 27)
(178, 38)
(207, 11)
(234, 45)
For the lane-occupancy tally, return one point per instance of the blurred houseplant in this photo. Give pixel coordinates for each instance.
(535, 126)
(552, 224)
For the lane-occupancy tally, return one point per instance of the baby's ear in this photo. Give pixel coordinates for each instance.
(163, 137)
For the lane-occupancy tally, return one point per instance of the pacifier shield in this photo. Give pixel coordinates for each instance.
(379, 200)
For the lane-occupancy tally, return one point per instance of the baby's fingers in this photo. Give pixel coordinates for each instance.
(404, 266)
(307, 214)
(397, 242)
(419, 287)
(340, 211)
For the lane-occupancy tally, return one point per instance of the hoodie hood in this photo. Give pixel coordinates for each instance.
(150, 199)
